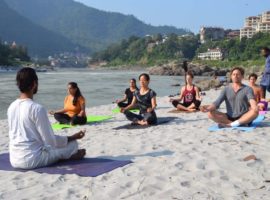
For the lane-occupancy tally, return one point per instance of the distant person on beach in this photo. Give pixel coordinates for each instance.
(240, 103)
(32, 141)
(145, 98)
(74, 107)
(190, 95)
(129, 93)
(265, 82)
(258, 92)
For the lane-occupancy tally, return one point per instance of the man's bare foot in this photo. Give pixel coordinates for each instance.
(222, 125)
(77, 136)
(78, 155)
(191, 110)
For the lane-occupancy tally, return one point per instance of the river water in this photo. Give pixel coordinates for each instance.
(98, 87)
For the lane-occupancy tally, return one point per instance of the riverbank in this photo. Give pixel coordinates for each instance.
(178, 160)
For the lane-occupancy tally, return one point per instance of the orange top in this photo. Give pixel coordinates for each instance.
(72, 110)
(257, 93)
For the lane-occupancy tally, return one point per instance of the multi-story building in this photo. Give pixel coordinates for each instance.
(255, 24)
(211, 54)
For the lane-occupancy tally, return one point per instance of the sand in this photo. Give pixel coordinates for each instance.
(178, 160)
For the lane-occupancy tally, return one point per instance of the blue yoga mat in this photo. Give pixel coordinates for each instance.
(254, 124)
(88, 167)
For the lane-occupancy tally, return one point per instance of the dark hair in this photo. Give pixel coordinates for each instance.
(190, 73)
(242, 71)
(134, 80)
(253, 75)
(147, 77)
(78, 92)
(266, 49)
(26, 77)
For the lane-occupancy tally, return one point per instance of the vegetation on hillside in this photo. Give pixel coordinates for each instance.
(157, 49)
(12, 55)
(149, 50)
(88, 27)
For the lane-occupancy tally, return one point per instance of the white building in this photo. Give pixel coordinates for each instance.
(211, 54)
(255, 24)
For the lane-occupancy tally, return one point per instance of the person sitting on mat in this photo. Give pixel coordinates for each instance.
(240, 103)
(258, 92)
(32, 142)
(145, 98)
(190, 95)
(74, 107)
(128, 94)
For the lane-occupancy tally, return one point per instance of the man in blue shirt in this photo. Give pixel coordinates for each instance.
(265, 82)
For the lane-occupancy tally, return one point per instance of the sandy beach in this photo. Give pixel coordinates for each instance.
(178, 160)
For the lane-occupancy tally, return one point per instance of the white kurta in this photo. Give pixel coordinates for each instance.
(32, 142)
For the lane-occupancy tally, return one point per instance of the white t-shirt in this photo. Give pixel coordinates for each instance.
(29, 131)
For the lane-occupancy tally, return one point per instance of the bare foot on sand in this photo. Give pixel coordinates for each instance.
(78, 135)
(79, 155)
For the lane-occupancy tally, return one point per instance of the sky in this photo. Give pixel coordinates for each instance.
(189, 14)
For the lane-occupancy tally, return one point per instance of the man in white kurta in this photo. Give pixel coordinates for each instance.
(32, 141)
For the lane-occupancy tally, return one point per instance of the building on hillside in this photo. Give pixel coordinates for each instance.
(211, 54)
(211, 33)
(255, 24)
(230, 34)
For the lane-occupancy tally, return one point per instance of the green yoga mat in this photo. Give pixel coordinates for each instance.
(117, 110)
(90, 119)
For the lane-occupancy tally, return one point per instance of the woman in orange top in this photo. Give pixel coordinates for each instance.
(258, 92)
(74, 107)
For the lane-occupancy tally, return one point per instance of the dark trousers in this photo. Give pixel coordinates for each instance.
(122, 104)
(196, 102)
(151, 117)
(65, 119)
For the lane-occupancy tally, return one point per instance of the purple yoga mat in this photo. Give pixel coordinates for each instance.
(87, 167)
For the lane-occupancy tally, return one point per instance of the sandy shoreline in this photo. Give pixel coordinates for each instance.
(179, 160)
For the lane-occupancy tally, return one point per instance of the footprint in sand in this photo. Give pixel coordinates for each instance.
(185, 184)
(201, 164)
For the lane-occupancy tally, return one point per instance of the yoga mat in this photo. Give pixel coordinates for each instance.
(262, 112)
(181, 111)
(90, 119)
(160, 121)
(88, 167)
(117, 110)
(254, 124)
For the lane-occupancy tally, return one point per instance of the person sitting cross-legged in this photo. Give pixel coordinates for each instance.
(189, 94)
(240, 103)
(32, 143)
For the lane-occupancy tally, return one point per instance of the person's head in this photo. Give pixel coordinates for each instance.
(132, 83)
(144, 80)
(265, 51)
(237, 74)
(252, 78)
(74, 90)
(189, 77)
(27, 80)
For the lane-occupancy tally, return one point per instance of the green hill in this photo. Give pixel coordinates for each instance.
(83, 25)
(38, 40)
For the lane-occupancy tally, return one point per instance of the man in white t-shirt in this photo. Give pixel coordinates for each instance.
(32, 141)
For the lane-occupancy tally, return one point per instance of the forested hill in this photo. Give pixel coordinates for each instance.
(38, 40)
(83, 25)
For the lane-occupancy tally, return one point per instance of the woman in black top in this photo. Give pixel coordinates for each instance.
(128, 94)
(145, 98)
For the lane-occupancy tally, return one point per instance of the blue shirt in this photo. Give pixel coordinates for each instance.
(266, 74)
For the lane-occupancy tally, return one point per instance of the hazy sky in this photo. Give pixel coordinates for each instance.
(190, 14)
